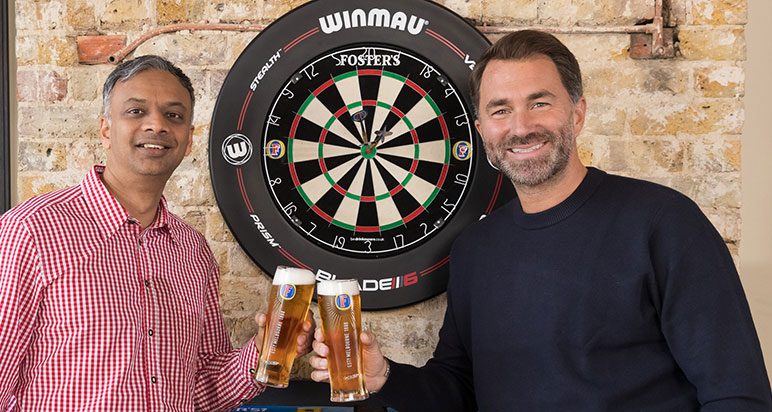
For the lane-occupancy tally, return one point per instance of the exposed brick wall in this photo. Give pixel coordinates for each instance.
(676, 121)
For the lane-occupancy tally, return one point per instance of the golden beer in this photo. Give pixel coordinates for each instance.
(288, 304)
(339, 307)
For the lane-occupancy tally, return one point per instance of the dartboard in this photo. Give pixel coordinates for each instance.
(343, 142)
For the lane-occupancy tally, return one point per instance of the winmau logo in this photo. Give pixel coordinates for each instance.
(374, 18)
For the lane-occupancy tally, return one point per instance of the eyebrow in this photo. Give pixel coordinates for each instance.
(503, 101)
(540, 94)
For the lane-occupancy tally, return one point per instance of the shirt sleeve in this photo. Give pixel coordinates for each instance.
(224, 378)
(445, 383)
(704, 314)
(19, 301)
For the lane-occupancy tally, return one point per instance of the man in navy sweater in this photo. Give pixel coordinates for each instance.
(589, 291)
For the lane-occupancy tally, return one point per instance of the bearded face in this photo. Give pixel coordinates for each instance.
(555, 148)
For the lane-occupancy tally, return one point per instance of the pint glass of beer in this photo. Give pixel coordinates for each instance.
(339, 307)
(288, 304)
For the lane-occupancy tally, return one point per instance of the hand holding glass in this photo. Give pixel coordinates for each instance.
(340, 307)
(288, 304)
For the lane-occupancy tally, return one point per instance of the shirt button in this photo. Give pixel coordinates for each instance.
(153, 380)
(139, 241)
(150, 332)
(147, 283)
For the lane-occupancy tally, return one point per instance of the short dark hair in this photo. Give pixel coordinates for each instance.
(130, 68)
(523, 44)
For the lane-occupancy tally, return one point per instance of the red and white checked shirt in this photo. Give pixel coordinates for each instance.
(97, 314)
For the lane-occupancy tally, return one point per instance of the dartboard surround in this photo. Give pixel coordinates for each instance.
(351, 149)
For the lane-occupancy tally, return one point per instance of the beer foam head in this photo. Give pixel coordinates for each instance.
(295, 276)
(337, 287)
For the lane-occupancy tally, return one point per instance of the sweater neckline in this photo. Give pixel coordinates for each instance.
(563, 209)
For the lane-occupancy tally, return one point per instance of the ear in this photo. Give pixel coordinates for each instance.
(580, 109)
(104, 132)
(189, 148)
(477, 126)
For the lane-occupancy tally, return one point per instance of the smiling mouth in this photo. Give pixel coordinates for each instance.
(527, 149)
(151, 146)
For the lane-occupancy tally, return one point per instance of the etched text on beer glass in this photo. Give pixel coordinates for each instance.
(339, 307)
(288, 304)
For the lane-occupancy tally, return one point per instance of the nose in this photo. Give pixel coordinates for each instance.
(522, 122)
(156, 122)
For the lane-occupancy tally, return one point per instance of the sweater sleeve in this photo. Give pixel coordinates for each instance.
(445, 382)
(704, 314)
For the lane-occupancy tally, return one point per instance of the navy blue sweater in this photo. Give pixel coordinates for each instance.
(621, 298)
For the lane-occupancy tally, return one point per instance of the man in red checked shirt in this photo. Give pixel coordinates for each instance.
(109, 301)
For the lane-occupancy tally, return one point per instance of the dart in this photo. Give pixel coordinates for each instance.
(359, 118)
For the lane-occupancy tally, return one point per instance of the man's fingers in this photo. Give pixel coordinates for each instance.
(318, 362)
(320, 348)
(320, 376)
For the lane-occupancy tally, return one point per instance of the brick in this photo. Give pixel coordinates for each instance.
(216, 228)
(98, 49)
(605, 117)
(241, 264)
(273, 9)
(719, 12)
(243, 296)
(39, 15)
(711, 190)
(58, 122)
(190, 189)
(596, 48)
(177, 11)
(591, 12)
(81, 15)
(658, 117)
(234, 11)
(38, 183)
(501, 12)
(124, 15)
(720, 81)
(40, 156)
(85, 83)
(59, 155)
(648, 156)
(57, 50)
(26, 51)
(42, 86)
(469, 9)
(714, 154)
(638, 77)
(186, 48)
(712, 43)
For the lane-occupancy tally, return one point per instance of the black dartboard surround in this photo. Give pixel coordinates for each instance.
(343, 141)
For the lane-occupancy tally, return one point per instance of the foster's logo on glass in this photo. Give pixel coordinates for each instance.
(287, 291)
(343, 301)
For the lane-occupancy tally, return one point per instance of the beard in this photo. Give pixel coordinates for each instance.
(536, 171)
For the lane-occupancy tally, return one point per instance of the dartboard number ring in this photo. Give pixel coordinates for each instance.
(347, 145)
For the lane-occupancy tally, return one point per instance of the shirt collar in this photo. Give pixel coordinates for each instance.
(109, 213)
